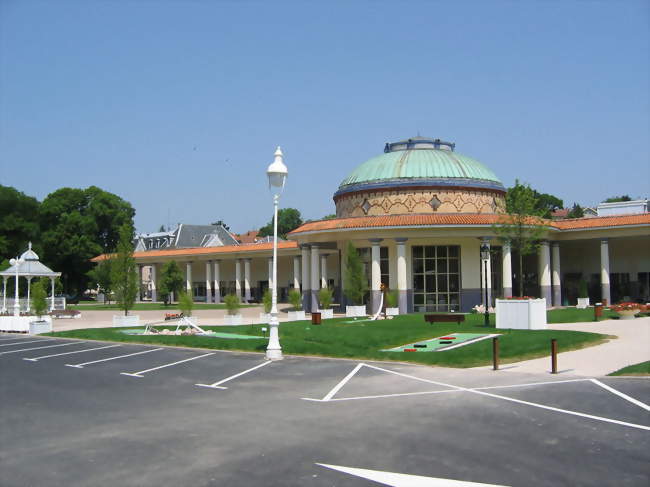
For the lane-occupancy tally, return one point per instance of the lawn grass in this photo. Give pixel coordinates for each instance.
(638, 369)
(348, 338)
(575, 315)
(147, 307)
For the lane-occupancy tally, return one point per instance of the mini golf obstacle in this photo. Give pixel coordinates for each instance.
(191, 329)
(442, 343)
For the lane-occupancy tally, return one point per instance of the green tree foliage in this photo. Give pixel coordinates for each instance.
(354, 281)
(576, 211)
(100, 277)
(325, 296)
(171, 280)
(546, 204)
(124, 273)
(78, 224)
(185, 303)
(232, 304)
(18, 222)
(331, 216)
(39, 297)
(288, 219)
(616, 199)
(520, 226)
(267, 301)
(295, 298)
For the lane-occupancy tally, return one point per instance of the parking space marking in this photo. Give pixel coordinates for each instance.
(329, 396)
(38, 348)
(15, 337)
(217, 385)
(81, 366)
(23, 342)
(36, 359)
(620, 394)
(139, 374)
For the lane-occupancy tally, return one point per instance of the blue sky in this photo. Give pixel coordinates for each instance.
(177, 106)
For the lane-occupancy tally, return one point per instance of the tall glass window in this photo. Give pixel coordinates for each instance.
(436, 278)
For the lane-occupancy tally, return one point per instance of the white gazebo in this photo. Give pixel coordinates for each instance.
(29, 267)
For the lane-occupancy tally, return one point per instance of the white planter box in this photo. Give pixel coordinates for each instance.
(521, 314)
(265, 317)
(326, 314)
(23, 324)
(129, 320)
(582, 303)
(233, 320)
(41, 326)
(355, 311)
(392, 311)
(296, 316)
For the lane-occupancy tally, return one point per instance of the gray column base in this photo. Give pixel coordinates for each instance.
(545, 292)
(314, 301)
(605, 293)
(154, 295)
(403, 302)
(306, 300)
(557, 296)
(217, 297)
(507, 292)
(470, 297)
(375, 301)
(247, 295)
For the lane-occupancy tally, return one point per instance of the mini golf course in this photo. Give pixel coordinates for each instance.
(208, 334)
(442, 343)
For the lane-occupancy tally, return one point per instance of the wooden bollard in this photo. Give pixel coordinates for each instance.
(495, 353)
(553, 356)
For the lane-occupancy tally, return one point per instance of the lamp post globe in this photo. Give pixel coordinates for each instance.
(277, 175)
(485, 257)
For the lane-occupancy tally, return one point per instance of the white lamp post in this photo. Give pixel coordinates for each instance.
(16, 262)
(277, 174)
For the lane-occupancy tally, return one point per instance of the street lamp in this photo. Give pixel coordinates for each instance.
(485, 256)
(277, 174)
(16, 262)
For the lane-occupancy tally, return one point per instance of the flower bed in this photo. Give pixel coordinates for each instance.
(628, 310)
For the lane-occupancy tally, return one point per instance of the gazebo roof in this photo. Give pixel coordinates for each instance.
(30, 267)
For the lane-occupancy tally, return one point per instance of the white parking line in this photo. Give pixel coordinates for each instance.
(36, 359)
(38, 348)
(139, 374)
(619, 393)
(23, 342)
(81, 366)
(217, 385)
(15, 337)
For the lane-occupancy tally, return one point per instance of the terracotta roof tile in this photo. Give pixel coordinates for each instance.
(206, 250)
(603, 221)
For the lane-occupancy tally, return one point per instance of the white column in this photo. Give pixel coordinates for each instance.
(555, 276)
(315, 277)
(154, 282)
(247, 280)
(544, 261)
(604, 271)
(188, 279)
(296, 272)
(29, 288)
(323, 271)
(402, 286)
(270, 272)
(52, 296)
(17, 297)
(217, 279)
(506, 267)
(238, 278)
(139, 298)
(306, 278)
(375, 275)
(208, 281)
(4, 294)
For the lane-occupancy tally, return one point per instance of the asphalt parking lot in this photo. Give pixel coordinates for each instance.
(83, 413)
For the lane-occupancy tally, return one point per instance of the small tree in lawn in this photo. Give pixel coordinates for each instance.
(124, 273)
(231, 301)
(521, 226)
(100, 276)
(325, 296)
(171, 281)
(295, 298)
(39, 298)
(185, 303)
(267, 301)
(355, 281)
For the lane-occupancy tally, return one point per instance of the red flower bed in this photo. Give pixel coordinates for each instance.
(629, 306)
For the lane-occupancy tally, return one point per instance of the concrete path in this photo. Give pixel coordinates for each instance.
(631, 347)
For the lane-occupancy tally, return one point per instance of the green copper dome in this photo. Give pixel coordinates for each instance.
(420, 161)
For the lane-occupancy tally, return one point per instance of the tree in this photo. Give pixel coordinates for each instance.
(521, 225)
(288, 219)
(171, 280)
(331, 216)
(546, 204)
(220, 222)
(354, 281)
(39, 298)
(100, 276)
(185, 303)
(124, 273)
(18, 221)
(77, 225)
(616, 199)
(576, 211)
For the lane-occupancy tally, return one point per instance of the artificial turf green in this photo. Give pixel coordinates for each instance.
(365, 339)
(637, 369)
